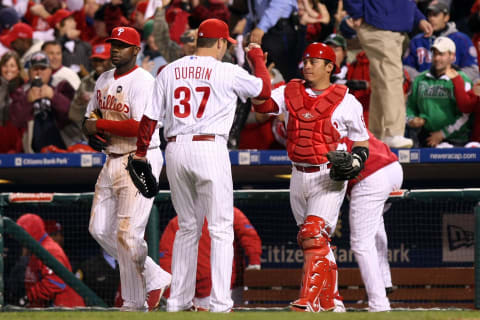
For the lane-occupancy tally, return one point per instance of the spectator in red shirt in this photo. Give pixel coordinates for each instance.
(43, 287)
(246, 237)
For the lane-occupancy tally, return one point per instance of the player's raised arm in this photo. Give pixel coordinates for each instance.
(256, 59)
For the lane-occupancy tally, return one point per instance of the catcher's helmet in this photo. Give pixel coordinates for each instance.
(321, 51)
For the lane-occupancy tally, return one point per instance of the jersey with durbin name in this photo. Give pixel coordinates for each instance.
(198, 95)
(121, 98)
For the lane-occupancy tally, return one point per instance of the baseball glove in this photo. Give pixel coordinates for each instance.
(345, 165)
(142, 177)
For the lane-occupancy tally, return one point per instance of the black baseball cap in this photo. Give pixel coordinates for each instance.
(39, 59)
(438, 7)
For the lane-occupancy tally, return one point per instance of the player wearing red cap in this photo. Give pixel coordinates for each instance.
(120, 213)
(318, 115)
(195, 98)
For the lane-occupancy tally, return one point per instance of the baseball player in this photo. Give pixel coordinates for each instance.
(368, 193)
(246, 238)
(119, 212)
(195, 98)
(318, 115)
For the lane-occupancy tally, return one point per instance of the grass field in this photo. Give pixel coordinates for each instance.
(261, 315)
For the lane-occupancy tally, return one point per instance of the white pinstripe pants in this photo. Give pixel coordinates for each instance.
(367, 231)
(118, 219)
(200, 177)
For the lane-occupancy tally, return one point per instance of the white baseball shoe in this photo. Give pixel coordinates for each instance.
(154, 296)
(398, 142)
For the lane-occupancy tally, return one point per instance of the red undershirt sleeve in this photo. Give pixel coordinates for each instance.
(145, 130)
(268, 106)
(256, 57)
(124, 128)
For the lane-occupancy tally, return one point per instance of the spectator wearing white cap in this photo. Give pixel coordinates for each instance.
(418, 57)
(432, 107)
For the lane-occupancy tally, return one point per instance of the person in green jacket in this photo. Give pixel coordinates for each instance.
(432, 106)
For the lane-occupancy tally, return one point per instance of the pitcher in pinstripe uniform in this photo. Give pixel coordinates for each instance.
(119, 212)
(195, 98)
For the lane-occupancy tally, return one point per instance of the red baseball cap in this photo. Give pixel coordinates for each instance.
(321, 51)
(125, 34)
(101, 51)
(58, 16)
(215, 28)
(19, 31)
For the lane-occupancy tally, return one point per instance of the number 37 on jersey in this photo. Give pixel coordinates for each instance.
(185, 97)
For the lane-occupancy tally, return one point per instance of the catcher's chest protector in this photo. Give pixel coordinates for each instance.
(310, 133)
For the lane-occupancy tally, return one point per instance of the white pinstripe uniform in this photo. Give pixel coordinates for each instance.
(197, 95)
(119, 212)
(367, 231)
(315, 193)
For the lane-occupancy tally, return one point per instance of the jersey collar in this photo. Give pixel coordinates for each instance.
(118, 76)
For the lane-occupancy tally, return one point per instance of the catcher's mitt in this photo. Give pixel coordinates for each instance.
(142, 177)
(345, 165)
(98, 142)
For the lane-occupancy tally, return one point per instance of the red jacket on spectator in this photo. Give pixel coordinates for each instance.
(468, 102)
(245, 236)
(42, 286)
(213, 9)
(36, 22)
(177, 20)
(87, 29)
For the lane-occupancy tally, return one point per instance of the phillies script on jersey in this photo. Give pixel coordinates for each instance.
(110, 103)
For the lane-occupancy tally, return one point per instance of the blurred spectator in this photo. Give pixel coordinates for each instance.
(41, 108)
(381, 35)
(138, 15)
(54, 230)
(169, 49)
(37, 16)
(18, 38)
(75, 52)
(246, 237)
(176, 15)
(273, 23)
(100, 59)
(43, 287)
(418, 57)
(10, 81)
(100, 26)
(469, 102)
(8, 17)
(101, 274)
(339, 46)
(53, 49)
(315, 15)
(203, 10)
(432, 107)
(85, 20)
(149, 56)
(474, 25)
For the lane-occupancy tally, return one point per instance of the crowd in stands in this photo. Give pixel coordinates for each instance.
(52, 52)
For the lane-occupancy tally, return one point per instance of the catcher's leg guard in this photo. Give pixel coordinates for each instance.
(319, 274)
